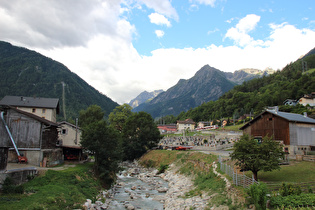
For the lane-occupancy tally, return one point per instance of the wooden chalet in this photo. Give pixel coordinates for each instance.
(297, 132)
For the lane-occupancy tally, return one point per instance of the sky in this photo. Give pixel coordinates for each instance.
(125, 47)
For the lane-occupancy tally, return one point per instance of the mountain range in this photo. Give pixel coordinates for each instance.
(208, 84)
(28, 73)
(144, 97)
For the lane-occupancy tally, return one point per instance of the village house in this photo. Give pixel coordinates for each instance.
(187, 124)
(34, 137)
(46, 108)
(308, 99)
(290, 102)
(203, 124)
(295, 131)
(69, 140)
(170, 128)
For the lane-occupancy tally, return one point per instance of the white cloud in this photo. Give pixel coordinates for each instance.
(230, 20)
(163, 7)
(213, 31)
(159, 33)
(239, 33)
(206, 2)
(159, 19)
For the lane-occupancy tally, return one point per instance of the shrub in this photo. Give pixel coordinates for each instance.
(289, 189)
(292, 201)
(162, 168)
(257, 193)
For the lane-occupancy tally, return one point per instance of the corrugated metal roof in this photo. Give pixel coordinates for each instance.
(285, 115)
(292, 117)
(21, 101)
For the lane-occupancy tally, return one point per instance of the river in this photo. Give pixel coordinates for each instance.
(138, 188)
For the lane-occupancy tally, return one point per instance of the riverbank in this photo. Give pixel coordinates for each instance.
(192, 183)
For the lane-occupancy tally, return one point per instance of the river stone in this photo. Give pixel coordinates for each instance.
(162, 189)
(129, 206)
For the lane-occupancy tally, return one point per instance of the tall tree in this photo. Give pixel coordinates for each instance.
(254, 156)
(119, 116)
(140, 133)
(103, 141)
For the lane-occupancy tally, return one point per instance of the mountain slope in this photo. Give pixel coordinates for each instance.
(28, 73)
(144, 97)
(208, 84)
(255, 95)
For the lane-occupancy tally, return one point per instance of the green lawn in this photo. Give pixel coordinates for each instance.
(67, 189)
(297, 171)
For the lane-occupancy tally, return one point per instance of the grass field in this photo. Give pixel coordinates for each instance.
(297, 172)
(66, 189)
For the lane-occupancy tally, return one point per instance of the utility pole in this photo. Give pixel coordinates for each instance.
(76, 131)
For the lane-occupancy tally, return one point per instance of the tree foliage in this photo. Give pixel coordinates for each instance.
(92, 114)
(251, 155)
(119, 116)
(103, 141)
(140, 133)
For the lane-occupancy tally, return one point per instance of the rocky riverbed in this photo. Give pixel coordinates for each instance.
(142, 188)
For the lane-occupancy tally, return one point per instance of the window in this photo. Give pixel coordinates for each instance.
(43, 111)
(33, 110)
(64, 131)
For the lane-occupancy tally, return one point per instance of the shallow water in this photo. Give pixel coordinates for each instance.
(142, 196)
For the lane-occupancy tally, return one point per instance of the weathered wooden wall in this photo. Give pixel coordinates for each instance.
(270, 125)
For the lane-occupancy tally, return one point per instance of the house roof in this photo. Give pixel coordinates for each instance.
(42, 120)
(187, 121)
(67, 123)
(291, 117)
(21, 101)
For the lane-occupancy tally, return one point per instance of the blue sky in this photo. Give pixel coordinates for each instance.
(200, 25)
(124, 47)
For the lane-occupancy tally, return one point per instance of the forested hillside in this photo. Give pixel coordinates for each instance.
(28, 73)
(254, 95)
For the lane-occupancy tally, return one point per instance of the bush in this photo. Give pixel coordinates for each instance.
(292, 201)
(162, 168)
(289, 189)
(257, 193)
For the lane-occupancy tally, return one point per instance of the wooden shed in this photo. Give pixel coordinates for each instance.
(297, 132)
(34, 137)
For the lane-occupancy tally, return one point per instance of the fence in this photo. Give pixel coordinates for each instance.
(239, 178)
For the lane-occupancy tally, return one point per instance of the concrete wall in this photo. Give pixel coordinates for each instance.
(48, 114)
(19, 176)
(69, 138)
